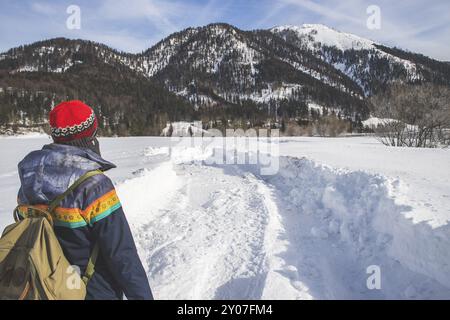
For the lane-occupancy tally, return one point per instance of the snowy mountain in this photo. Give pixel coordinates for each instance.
(313, 36)
(219, 61)
(371, 65)
(213, 72)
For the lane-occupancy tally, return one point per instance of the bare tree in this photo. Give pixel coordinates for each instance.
(413, 115)
(331, 126)
(293, 129)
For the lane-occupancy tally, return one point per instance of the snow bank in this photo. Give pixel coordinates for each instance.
(137, 209)
(359, 210)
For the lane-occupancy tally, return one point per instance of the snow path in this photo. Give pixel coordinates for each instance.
(209, 241)
(308, 232)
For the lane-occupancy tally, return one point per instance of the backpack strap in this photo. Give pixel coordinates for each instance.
(55, 202)
(90, 268)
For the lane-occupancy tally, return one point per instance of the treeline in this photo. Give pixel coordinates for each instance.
(433, 71)
(125, 103)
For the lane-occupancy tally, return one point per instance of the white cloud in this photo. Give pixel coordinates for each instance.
(134, 25)
(165, 16)
(43, 8)
(328, 11)
(412, 25)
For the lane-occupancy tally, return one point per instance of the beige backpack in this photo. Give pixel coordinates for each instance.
(32, 262)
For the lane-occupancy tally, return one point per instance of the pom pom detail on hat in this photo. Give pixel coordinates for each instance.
(72, 120)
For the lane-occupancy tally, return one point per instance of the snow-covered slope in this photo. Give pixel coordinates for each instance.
(313, 34)
(310, 231)
(208, 53)
(357, 57)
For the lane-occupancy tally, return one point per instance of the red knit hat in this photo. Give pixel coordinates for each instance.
(71, 120)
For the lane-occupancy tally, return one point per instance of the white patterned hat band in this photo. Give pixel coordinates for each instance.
(75, 129)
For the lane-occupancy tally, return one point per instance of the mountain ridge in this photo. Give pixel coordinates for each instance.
(221, 70)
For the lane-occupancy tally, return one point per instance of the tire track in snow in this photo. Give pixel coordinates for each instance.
(208, 242)
(281, 281)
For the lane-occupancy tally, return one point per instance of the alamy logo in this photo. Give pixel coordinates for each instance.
(374, 20)
(73, 282)
(73, 22)
(374, 280)
(259, 148)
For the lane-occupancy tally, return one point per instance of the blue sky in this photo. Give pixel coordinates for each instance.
(134, 25)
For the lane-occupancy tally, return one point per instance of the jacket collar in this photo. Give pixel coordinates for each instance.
(81, 152)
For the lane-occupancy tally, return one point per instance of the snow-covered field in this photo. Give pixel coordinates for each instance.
(335, 207)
